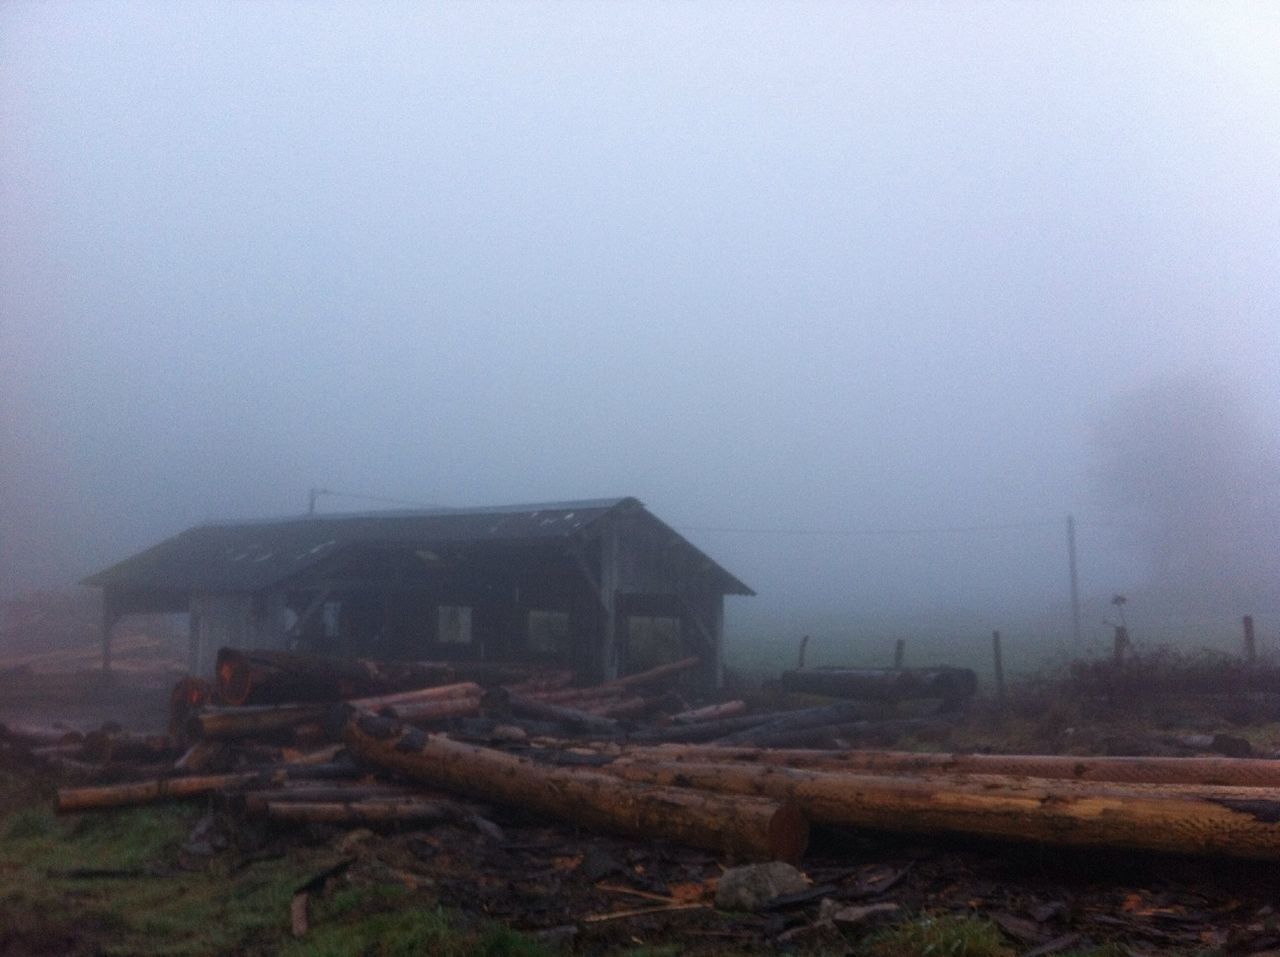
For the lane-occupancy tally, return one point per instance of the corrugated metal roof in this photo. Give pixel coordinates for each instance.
(249, 556)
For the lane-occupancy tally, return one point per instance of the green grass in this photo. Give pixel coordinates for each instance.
(221, 909)
(204, 912)
(946, 936)
(385, 921)
(955, 936)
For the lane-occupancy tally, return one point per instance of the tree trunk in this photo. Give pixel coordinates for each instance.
(277, 677)
(712, 712)
(1241, 772)
(840, 713)
(252, 720)
(188, 695)
(561, 714)
(746, 828)
(551, 681)
(369, 811)
(1225, 822)
(624, 707)
(463, 689)
(255, 802)
(107, 746)
(149, 792)
(437, 710)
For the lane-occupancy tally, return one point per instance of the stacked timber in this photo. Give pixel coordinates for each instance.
(750, 828)
(1202, 819)
(744, 785)
(275, 677)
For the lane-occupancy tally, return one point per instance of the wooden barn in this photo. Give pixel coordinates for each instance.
(602, 586)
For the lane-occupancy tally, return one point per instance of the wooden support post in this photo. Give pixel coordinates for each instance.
(999, 666)
(1250, 649)
(1075, 579)
(1121, 643)
(899, 652)
(715, 624)
(193, 636)
(609, 602)
(108, 623)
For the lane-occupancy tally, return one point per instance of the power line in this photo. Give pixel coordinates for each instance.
(869, 530)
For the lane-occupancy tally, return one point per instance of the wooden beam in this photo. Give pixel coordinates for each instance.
(109, 617)
(711, 628)
(609, 602)
(716, 611)
(193, 635)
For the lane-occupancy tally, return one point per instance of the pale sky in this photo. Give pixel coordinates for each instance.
(768, 267)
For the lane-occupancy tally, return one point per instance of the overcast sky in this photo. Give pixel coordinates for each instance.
(768, 267)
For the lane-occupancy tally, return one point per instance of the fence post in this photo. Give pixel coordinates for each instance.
(899, 652)
(1121, 643)
(999, 663)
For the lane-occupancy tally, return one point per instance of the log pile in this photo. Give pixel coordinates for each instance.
(744, 785)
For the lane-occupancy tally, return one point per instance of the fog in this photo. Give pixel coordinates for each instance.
(864, 298)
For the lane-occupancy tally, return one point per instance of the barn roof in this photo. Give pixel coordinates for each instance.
(249, 556)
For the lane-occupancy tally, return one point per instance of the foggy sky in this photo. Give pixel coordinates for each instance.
(773, 269)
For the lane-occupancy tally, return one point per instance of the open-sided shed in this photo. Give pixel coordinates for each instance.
(602, 586)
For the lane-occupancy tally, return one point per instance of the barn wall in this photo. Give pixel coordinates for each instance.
(233, 620)
(660, 575)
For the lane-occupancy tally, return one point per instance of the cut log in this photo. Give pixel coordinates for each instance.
(1242, 772)
(422, 712)
(201, 757)
(252, 720)
(463, 689)
(294, 758)
(149, 792)
(623, 707)
(187, 696)
(1223, 822)
(706, 731)
(277, 677)
(843, 712)
(324, 771)
(570, 717)
(255, 802)
(747, 828)
(540, 684)
(711, 712)
(952, 685)
(413, 810)
(107, 746)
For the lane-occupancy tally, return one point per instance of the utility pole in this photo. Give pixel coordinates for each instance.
(1075, 579)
